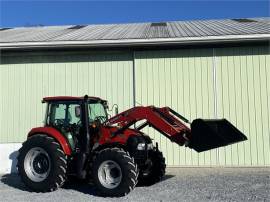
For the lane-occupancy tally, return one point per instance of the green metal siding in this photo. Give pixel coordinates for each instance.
(243, 98)
(210, 83)
(24, 84)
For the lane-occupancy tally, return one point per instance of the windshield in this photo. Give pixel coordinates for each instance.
(97, 112)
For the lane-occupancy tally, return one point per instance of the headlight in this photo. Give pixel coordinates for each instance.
(141, 146)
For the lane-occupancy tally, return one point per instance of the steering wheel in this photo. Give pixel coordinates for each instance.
(101, 119)
(59, 121)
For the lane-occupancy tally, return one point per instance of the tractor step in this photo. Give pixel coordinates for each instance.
(208, 134)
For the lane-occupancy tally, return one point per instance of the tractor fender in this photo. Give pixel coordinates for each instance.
(53, 133)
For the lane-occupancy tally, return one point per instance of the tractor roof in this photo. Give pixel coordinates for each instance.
(70, 98)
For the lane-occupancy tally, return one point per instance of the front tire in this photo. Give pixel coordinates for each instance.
(114, 172)
(157, 170)
(42, 163)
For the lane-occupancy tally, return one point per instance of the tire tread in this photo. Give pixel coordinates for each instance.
(56, 179)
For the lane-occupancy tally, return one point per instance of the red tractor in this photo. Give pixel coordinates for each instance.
(79, 140)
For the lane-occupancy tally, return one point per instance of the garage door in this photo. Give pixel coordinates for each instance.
(25, 80)
(210, 83)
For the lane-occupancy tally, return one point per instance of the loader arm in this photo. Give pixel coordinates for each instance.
(165, 120)
(200, 135)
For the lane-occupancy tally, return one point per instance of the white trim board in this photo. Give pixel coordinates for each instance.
(8, 157)
(135, 42)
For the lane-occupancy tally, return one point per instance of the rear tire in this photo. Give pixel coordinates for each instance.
(114, 172)
(156, 172)
(42, 164)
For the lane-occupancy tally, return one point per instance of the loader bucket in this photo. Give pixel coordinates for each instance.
(213, 133)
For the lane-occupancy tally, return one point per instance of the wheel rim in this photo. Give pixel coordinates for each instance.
(37, 164)
(110, 174)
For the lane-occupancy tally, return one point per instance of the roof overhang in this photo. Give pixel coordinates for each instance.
(136, 42)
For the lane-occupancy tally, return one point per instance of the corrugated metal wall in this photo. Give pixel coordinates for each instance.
(243, 89)
(23, 85)
(211, 83)
(208, 83)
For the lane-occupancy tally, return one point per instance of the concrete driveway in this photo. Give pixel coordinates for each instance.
(180, 184)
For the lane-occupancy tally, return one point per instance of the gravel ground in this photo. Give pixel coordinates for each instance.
(180, 184)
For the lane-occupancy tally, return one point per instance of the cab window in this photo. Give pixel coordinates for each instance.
(97, 112)
(62, 114)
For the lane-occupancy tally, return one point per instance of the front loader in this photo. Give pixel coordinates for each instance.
(79, 140)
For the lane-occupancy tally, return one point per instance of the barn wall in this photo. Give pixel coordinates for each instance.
(26, 80)
(208, 83)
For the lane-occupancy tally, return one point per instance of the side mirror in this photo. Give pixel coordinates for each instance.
(116, 110)
(78, 111)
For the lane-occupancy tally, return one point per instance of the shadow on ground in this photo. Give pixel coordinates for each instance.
(14, 181)
(166, 177)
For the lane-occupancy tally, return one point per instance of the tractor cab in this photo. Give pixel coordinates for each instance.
(71, 115)
(66, 111)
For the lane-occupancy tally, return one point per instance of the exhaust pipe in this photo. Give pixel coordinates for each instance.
(208, 134)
